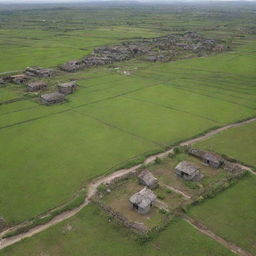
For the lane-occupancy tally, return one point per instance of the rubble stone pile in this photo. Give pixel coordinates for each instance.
(163, 49)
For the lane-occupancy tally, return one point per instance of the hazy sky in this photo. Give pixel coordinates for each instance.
(70, 1)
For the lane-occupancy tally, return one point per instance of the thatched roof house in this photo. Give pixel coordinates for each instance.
(147, 179)
(187, 170)
(67, 88)
(143, 200)
(52, 98)
(212, 159)
(36, 86)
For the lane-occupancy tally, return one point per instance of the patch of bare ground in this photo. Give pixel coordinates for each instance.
(92, 189)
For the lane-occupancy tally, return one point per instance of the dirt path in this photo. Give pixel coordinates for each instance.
(203, 229)
(92, 187)
(213, 132)
(177, 191)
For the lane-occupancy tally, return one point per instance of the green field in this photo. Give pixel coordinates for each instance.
(238, 143)
(90, 233)
(231, 214)
(115, 120)
(109, 120)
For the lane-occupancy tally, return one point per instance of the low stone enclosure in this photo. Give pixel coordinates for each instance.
(132, 200)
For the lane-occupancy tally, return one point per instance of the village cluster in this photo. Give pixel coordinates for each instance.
(143, 200)
(203, 169)
(165, 48)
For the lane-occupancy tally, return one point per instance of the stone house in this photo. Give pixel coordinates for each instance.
(39, 72)
(67, 88)
(36, 86)
(209, 158)
(18, 79)
(72, 66)
(52, 98)
(147, 179)
(187, 170)
(143, 200)
(212, 159)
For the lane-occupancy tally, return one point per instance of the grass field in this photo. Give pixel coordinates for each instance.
(90, 233)
(109, 120)
(112, 120)
(32, 47)
(238, 143)
(231, 214)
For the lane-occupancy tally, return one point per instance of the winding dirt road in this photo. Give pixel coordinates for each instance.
(92, 187)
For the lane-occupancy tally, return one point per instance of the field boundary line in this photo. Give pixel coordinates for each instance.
(120, 129)
(93, 185)
(206, 231)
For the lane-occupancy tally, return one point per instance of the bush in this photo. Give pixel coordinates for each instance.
(163, 211)
(158, 160)
(102, 188)
(161, 195)
(192, 185)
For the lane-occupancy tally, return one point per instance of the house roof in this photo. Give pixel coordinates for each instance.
(187, 167)
(147, 177)
(37, 84)
(52, 96)
(143, 198)
(19, 76)
(68, 84)
(212, 157)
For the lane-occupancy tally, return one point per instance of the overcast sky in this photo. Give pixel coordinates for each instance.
(70, 1)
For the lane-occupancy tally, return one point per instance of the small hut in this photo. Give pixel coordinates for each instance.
(147, 179)
(143, 200)
(18, 79)
(52, 98)
(36, 86)
(72, 66)
(39, 72)
(67, 88)
(212, 159)
(187, 170)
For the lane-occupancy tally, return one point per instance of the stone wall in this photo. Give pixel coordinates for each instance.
(137, 227)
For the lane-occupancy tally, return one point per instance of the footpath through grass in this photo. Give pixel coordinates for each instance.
(90, 233)
(238, 143)
(231, 214)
